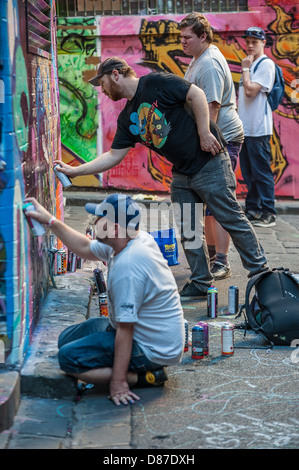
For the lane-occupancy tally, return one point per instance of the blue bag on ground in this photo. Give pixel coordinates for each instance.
(167, 243)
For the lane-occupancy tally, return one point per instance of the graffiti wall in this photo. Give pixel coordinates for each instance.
(153, 43)
(29, 141)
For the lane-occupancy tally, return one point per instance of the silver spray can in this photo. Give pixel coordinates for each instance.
(64, 179)
(35, 227)
(227, 339)
(212, 302)
(233, 299)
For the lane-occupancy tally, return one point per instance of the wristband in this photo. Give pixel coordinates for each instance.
(51, 221)
(246, 69)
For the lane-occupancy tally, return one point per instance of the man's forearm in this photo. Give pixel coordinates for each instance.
(75, 241)
(122, 352)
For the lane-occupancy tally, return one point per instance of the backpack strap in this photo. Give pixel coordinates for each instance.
(259, 62)
(255, 69)
(248, 313)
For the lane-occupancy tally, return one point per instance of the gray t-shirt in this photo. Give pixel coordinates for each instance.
(141, 289)
(211, 73)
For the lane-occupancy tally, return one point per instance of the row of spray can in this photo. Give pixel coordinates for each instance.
(212, 301)
(200, 332)
(67, 261)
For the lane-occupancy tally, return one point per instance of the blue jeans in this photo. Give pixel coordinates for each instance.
(215, 186)
(255, 158)
(90, 345)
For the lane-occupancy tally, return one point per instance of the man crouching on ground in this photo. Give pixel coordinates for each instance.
(144, 331)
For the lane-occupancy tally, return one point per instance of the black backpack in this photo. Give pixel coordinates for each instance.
(273, 311)
(276, 94)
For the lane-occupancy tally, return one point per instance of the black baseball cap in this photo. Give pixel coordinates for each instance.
(112, 63)
(118, 208)
(255, 32)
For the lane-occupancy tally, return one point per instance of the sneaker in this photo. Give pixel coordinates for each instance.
(266, 220)
(253, 216)
(220, 271)
(154, 378)
(191, 292)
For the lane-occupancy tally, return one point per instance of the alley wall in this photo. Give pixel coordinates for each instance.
(29, 142)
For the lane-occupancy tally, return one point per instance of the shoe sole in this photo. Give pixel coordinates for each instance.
(218, 278)
(259, 224)
(193, 297)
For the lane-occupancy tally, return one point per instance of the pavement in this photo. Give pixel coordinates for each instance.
(246, 401)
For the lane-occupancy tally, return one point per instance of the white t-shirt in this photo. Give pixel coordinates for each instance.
(256, 113)
(211, 73)
(141, 289)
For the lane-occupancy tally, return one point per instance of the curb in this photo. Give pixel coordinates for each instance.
(67, 305)
(10, 398)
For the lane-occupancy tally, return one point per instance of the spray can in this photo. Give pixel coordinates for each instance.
(197, 342)
(206, 337)
(186, 347)
(227, 339)
(212, 302)
(64, 180)
(35, 227)
(90, 233)
(99, 280)
(63, 261)
(103, 304)
(233, 299)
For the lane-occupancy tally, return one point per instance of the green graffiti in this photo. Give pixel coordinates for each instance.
(76, 48)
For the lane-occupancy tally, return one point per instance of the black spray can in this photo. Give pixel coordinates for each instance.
(100, 281)
(233, 299)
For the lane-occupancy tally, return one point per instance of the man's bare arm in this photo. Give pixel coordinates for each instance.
(103, 162)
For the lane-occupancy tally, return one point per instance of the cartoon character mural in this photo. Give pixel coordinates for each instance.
(153, 43)
(29, 142)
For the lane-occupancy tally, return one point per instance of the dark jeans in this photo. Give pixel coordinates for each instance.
(215, 186)
(233, 149)
(255, 158)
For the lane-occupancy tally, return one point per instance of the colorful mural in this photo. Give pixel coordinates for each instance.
(29, 141)
(153, 43)
(77, 58)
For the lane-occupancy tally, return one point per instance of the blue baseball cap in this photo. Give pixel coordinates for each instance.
(255, 32)
(118, 208)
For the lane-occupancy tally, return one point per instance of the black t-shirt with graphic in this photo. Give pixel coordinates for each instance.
(156, 117)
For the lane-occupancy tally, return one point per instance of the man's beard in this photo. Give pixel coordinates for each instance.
(114, 93)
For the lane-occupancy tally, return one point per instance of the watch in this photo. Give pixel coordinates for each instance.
(246, 69)
(51, 221)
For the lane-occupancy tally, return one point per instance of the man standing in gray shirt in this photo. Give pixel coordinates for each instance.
(210, 72)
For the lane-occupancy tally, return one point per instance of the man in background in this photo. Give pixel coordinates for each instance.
(209, 71)
(256, 115)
